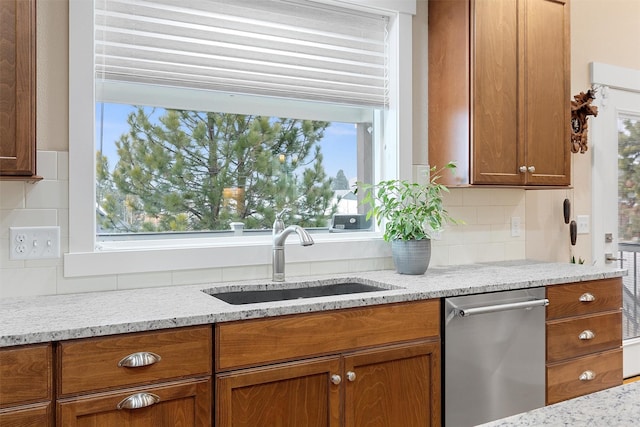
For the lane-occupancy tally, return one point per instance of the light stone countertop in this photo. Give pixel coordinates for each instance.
(28, 320)
(614, 407)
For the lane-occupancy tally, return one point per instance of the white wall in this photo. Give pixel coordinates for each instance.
(606, 31)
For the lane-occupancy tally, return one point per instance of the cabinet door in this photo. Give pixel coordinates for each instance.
(287, 395)
(17, 87)
(546, 112)
(25, 375)
(180, 404)
(393, 386)
(494, 139)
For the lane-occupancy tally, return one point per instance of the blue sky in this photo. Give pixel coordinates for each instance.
(338, 146)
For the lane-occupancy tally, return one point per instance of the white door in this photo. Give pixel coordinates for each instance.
(616, 191)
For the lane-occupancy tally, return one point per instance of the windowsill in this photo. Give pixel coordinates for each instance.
(170, 255)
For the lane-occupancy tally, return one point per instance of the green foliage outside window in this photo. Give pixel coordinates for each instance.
(191, 171)
(629, 181)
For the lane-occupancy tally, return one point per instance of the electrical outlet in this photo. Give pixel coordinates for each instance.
(583, 224)
(515, 226)
(34, 242)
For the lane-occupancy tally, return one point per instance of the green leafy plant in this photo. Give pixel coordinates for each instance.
(410, 211)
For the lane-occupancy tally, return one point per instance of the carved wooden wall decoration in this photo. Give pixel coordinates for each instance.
(581, 108)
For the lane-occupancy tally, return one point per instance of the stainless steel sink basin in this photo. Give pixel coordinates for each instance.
(266, 295)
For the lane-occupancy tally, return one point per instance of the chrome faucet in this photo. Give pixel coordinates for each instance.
(280, 234)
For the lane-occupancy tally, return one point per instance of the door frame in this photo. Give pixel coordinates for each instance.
(609, 80)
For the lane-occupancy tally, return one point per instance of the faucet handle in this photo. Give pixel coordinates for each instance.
(282, 212)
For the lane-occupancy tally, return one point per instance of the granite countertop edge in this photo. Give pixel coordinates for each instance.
(616, 406)
(41, 319)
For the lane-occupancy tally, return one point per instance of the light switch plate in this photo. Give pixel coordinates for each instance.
(34, 243)
(583, 224)
(515, 226)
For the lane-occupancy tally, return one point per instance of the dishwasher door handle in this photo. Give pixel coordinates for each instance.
(466, 312)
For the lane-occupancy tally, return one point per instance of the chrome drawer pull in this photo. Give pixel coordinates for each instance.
(587, 297)
(351, 376)
(587, 376)
(587, 335)
(138, 400)
(136, 360)
(335, 379)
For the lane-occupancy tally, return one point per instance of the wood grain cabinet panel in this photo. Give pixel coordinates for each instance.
(393, 386)
(289, 395)
(254, 342)
(26, 390)
(584, 298)
(179, 404)
(499, 100)
(584, 338)
(583, 335)
(38, 415)
(25, 374)
(580, 376)
(169, 383)
(369, 366)
(18, 88)
(93, 364)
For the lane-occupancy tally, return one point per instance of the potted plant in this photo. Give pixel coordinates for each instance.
(410, 212)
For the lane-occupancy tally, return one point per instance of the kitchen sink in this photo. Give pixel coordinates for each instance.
(281, 294)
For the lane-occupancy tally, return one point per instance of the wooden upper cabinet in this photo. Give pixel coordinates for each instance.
(546, 80)
(18, 88)
(495, 93)
(499, 101)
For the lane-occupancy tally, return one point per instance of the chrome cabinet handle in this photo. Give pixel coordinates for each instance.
(141, 358)
(531, 169)
(587, 376)
(138, 400)
(587, 335)
(587, 297)
(335, 379)
(351, 376)
(522, 169)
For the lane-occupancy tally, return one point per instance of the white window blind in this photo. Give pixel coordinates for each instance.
(288, 49)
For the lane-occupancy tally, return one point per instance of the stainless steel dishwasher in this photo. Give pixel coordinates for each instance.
(494, 352)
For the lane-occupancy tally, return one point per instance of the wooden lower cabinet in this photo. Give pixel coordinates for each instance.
(393, 386)
(385, 386)
(180, 404)
(584, 375)
(26, 390)
(287, 394)
(584, 338)
(39, 415)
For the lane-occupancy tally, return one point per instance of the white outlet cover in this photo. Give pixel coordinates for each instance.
(515, 226)
(583, 224)
(34, 243)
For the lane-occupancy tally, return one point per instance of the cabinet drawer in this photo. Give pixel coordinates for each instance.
(180, 403)
(584, 298)
(94, 363)
(260, 341)
(583, 335)
(25, 374)
(563, 379)
(39, 415)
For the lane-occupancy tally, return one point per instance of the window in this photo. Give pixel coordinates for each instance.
(178, 101)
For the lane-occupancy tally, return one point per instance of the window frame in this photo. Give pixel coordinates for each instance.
(85, 259)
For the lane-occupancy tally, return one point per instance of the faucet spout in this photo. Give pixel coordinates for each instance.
(279, 238)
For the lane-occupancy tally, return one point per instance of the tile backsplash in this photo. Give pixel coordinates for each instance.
(485, 236)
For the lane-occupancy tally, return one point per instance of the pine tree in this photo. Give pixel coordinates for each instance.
(188, 170)
(629, 180)
(341, 182)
